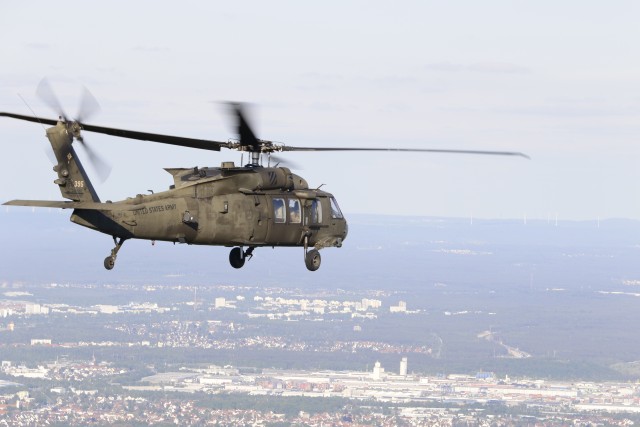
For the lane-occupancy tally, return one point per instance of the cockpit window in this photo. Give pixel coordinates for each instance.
(335, 209)
(279, 210)
(294, 211)
(316, 211)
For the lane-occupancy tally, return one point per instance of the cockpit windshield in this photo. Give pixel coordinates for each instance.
(335, 209)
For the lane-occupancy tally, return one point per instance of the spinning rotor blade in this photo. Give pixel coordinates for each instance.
(30, 118)
(406, 150)
(88, 106)
(211, 145)
(279, 161)
(47, 95)
(243, 129)
(203, 144)
(248, 140)
(102, 168)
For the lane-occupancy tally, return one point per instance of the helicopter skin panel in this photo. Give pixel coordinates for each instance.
(75, 205)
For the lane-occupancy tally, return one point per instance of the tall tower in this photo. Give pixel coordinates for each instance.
(403, 367)
(378, 371)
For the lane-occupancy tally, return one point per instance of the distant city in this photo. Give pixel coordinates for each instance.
(419, 322)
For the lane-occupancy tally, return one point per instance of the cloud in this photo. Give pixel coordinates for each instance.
(571, 111)
(39, 46)
(478, 67)
(395, 81)
(151, 49)
(326, 106)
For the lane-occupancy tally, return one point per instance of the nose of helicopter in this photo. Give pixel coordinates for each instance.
(341, 232)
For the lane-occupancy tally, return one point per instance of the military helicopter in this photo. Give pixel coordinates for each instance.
(243, 207)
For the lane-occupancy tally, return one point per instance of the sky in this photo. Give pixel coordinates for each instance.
(559, 81)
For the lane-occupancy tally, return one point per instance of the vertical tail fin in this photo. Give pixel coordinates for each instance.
(72, 179)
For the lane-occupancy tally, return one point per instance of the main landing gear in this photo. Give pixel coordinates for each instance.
(312, 257)
(237, 257)
(110, 261)
(312, 260)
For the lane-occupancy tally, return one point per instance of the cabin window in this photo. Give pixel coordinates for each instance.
(294, 211)
(279, 210)
(335, 209)
(316, 211)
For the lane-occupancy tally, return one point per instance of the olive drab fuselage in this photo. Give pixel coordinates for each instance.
(245, 207)
(227, 206)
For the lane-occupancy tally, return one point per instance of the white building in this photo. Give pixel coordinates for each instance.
(30, 308)
(403, 366)
(400, 308)
(107, 309)
(378, 371)
(371, 303)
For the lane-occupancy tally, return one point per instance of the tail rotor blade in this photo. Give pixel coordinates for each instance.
(89, 106)
(102, 168)
(52, 157)
(47, 96)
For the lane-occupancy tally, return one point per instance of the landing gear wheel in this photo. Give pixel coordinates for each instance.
(312, 260)
(110, 261)
(236, 257)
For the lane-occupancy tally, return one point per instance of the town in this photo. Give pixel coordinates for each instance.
(243, 355)
(399, 398)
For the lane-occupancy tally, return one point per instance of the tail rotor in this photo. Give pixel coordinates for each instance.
(89, 106)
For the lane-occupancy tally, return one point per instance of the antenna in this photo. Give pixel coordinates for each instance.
(33, 112)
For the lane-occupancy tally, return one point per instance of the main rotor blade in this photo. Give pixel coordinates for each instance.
(34, 119)
(203, 144)
(277, 160)
(243, 129)
(46, 94)
(407, 150)
(211, 145)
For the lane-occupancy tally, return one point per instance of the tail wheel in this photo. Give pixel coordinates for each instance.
(109, 262)
(236, 257)
(312, 260)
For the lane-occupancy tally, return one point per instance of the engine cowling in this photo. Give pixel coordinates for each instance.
(281, 179)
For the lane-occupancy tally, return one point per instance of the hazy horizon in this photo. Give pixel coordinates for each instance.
(555, 81)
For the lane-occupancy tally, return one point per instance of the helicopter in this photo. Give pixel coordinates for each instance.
(239, 206)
